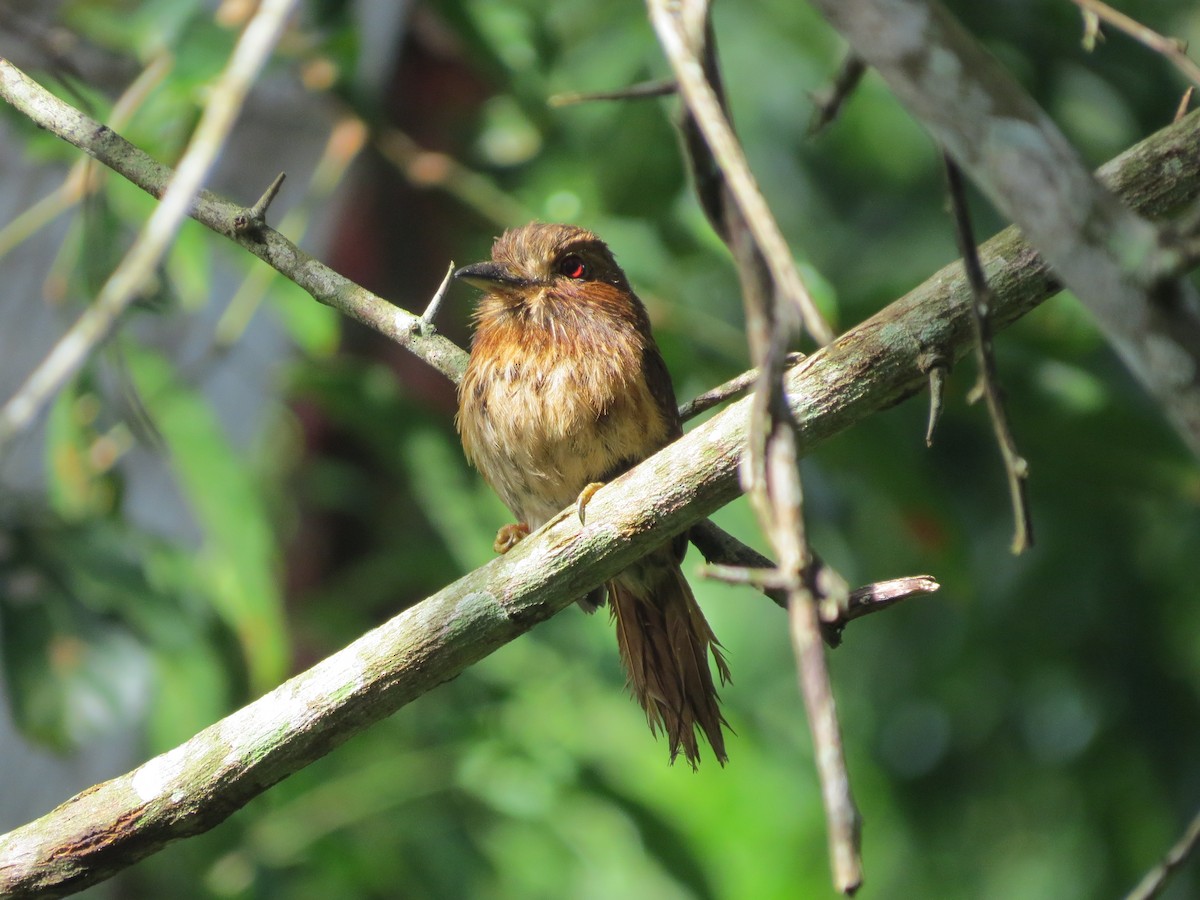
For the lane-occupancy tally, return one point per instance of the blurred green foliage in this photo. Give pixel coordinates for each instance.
(1033, 730)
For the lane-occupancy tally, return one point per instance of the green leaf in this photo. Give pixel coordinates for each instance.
(70, 482)
(72, 675)
(79, 595)
(189, 265)
(315, 327)
(451, 501)
(238, 557)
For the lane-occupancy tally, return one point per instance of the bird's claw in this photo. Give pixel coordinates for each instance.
(584, 496)
(509, 536)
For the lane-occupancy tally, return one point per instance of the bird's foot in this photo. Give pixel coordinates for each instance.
(509, 536)
(584, 496)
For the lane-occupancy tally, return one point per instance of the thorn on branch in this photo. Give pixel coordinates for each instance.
(1184, 102)
(935, 366)
(425, 324)
(988, 385)
(253, 219)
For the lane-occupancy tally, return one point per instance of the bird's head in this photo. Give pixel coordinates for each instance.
(539, 260)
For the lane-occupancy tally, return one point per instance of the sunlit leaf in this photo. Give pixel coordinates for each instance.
(238, 552)
(72, 675)
(315, 327)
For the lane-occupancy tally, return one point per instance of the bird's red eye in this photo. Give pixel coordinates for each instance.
(572, 266)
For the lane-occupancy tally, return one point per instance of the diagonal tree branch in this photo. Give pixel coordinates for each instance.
(221, 215)
(1118, 264)
(192, 788)
(416, 334)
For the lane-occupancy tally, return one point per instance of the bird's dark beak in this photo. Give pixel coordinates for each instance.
(486, 275)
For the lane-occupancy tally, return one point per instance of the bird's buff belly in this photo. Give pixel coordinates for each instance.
(549, 444)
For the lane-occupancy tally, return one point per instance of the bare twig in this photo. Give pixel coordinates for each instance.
(770, 471)
(841, 814)
(1156, 879)
(988, 385)
(1173, 49)
(734, 387)
(734, 562)
(95, 325)
(882, 594)
(645, 90)
(705, 106)
(828, 102)
(842, 819)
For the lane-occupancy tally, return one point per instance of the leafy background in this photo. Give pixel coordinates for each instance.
(1030, 731)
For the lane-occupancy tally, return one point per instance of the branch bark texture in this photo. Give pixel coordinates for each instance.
(876, 365)
(1117, 263)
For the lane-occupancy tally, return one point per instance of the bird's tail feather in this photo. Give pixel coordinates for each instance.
(664, 642)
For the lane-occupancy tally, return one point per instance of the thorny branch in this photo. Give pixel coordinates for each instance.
(96, 324)
(221, 215)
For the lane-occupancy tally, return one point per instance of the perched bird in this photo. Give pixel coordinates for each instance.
(566, 389)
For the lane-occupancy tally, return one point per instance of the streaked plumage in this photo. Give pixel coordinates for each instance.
(566, 387)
